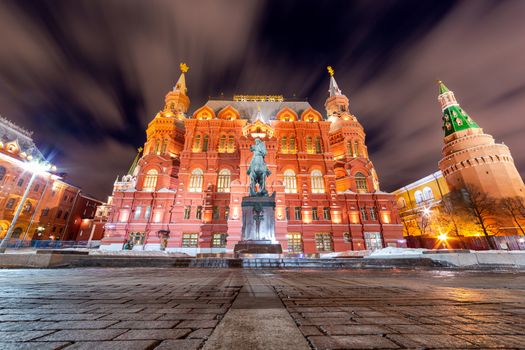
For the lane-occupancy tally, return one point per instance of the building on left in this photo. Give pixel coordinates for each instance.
(53, 209)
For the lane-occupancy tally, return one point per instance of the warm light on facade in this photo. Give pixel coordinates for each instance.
(386, 218)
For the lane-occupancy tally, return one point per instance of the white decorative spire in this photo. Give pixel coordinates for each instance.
(181, 83)
(259, 115)
(334, 89)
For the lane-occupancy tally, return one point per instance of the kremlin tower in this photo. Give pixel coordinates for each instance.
(471, 157)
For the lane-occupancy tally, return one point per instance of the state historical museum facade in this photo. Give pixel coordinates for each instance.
(184, 192)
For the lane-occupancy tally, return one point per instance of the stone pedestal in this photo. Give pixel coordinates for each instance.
(258, 227)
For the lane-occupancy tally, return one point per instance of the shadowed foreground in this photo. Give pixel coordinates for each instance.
(148, 308)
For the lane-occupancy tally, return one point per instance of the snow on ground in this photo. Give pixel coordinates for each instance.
(388, 251)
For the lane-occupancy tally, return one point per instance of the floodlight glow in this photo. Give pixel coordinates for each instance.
(426, 211)
(37, 167)
(443, 237)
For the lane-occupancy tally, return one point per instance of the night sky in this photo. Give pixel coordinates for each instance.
(87, 76)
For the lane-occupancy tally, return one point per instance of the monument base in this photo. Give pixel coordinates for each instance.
(257, 247)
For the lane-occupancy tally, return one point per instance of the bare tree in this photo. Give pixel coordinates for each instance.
(514, 207)
(482, 208)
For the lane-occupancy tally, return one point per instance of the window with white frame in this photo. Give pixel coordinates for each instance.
(150, 180)
(196, 179)
(223, 181)
(428, 194)
(360, 182)
(290, 181)
(418, 195)
(317, 182)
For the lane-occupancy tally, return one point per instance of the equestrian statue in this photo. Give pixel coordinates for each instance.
(258, 171)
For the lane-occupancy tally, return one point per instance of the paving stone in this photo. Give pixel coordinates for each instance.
(176, 317)
(83, 335)
(145, 325)
(77, 325)
(114, 345)
(158, 334)
(182, 344)
(351, 342)
(200, 333)
(13, 336)
(354, 329)
(132, 317)
(34, 345)
(496, 341)
(430, 341)
(310, 330)
(198, 324)
(70, 317)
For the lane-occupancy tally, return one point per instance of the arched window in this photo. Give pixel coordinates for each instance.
(360, 182)
(428, 194)
(59, 214)
(318, 145)
(317, 182)
(27, 207)
(357, 153)
(2, 173)
(419, 196)
(197, 143)
(284, 145)
(205, 143)
(401, 203)
(309, 145)
(17, 232)
(349, 149)
(164, 146)
(290, 181)
(196, 179)
(156, 149)
(150, 180)
(223, 181)
(222, 144)
(231, 144)
(292, 145)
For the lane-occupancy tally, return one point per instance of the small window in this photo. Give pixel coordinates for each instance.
(205, 141)
(418, 196)
(147, 213)
(10, 203)
(315, 216)
(2, 172)
(187, 212)
(150, 180)
(360, 182)
(190, 240)
(226, 213)
(59, 214)
(363, 214)
(198, 213)
(20, 182)
(373, 213)
(428, 194)
(326, 213)
(317, 182)
(219, 240)
(45, 212)
(346, 237)
(27, 207)
(297, 212)
(36, 188)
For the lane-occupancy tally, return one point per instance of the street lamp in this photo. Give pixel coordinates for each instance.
(35, 168)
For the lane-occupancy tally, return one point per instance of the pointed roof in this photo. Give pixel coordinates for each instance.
(442, 87)
(135, 162)
(333, 90)
(259, 115)
(181, 83)
(454, 117)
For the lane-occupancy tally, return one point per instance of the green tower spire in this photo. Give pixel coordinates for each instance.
(135, 161)
(454, 117)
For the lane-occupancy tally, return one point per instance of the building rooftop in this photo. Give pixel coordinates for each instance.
(10, 132)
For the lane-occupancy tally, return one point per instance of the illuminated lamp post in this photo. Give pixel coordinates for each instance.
(35, 168)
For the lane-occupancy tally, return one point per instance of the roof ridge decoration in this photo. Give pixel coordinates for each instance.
(15, 127)
(333, 90)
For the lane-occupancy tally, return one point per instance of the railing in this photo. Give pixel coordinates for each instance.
(51, 244)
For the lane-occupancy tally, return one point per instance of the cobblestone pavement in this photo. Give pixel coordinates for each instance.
(147, 308)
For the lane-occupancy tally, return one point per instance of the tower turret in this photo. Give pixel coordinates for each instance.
(336, 104)
(454, 117)
(177, 101)
(471, 157)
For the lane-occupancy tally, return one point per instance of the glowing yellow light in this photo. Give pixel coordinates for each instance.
(442, 237)
(426, 211)
(184, 67)
(330, 70)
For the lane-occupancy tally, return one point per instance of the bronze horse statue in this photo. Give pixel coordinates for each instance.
(258, 171)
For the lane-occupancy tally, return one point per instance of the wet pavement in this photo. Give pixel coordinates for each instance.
(156, 308)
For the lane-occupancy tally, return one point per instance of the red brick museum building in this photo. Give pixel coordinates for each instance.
(183, 193)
